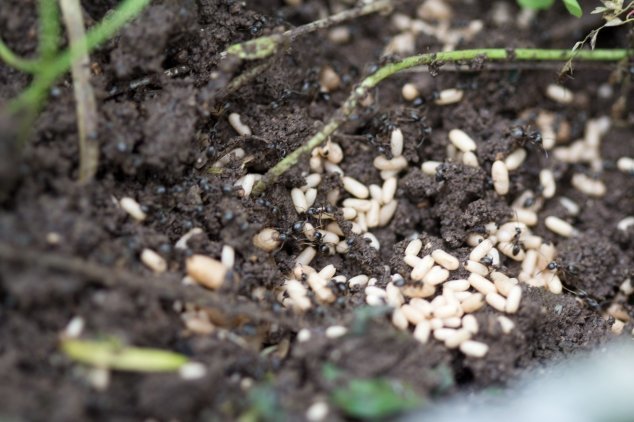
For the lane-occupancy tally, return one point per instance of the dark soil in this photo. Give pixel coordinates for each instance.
(157, 142)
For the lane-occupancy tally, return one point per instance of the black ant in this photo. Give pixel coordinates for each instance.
(526, 136)
(517, 243)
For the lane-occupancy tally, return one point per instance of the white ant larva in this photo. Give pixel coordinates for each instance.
(500, 176)
(461, 140)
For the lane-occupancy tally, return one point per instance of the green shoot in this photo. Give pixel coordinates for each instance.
(572, 6)
(498, 54)
(111, 354)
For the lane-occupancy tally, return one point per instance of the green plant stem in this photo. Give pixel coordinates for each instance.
(49, 29)
(13, 60)
(33, 96)
(344, 112)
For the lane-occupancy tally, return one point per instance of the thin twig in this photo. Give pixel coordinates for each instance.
(85, 103)
(262, 47)
(390, 69)
(13, 60)
(48, 17)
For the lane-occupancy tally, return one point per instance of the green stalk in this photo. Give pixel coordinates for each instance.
(496, 54)
(33, 96)
(49, 29)
(13, 60)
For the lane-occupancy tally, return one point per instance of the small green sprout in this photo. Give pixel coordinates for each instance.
(111, 354)
(572, 6)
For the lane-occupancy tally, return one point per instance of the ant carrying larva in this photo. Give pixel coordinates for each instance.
(523, 136)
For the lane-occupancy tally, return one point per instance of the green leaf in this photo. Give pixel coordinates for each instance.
(375, 398)
(112, 355)
(535, 4)
(573, 7)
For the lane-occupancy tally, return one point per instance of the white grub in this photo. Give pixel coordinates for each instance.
(316, 164)
(559, 94)
(459, 337)
(334, 228)
(303, 335)
(481, 284)
(530, 262)
(474, 239)
(476, 268)
(355, 188)
(327, 272)
(299, 200)
(413, 314)
(474, 349)
(513, 299)
(496, 301)
(500, 176)
(401, 22)
(507, 249)
(335, 331)
(547, 180)
(236, 123)
(318, 411)
(267, 239)
(625, 164)
(362, 205)
(625, 223)
(389, 189)
(395, 164)
(445, 259)
(436, 275)
(587, 185)
(430, 167)
(206, 271)
(306, 256)
(470, 159)
(504, 286)
(387, 212)
(361, 222)
(473, 303)
(376, 193)
(423, 306)
(452, 153)
(375, 291)
(414, 247)
(348, 213)
(394, 296)
(515, 159)
(133, 208)
(626, 287)
(470, 323)
(495, 257)
(412, 260)
(442, 334)
(401, 44)
(426, 290)
(74, 328)
(559, 226)
(522, 201)
(435, 323)
(318, 285)
(438, 301)
(331, 167)
(373, 300)
(532, 242)
(247, 183)
(461, 140)
(182, 242)
(595, 129)
(525, 216)
(228, 256)
(312, 181)
(309, 231)
(422, 331)
(192, 371)
(410, 92)
(399, 320)
(571, 206)
(422, 268)
(333, 152)
(387, 174)
(329, 237)
(374, 242)
(446, 311)
(358, 281)
(372, 216)
(617, 327)
(553, 283)
(449, 96)
(506, 323)
(457, 285)
(396, 142)
(339, 35)
(434, 10)
(481, 250)
(453, 322)
(329, 80)
(153, 261)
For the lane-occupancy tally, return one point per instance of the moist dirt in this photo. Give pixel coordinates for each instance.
(157, 144)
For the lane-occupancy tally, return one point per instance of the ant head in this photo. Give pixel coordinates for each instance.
(552, 265)
(298, 226)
